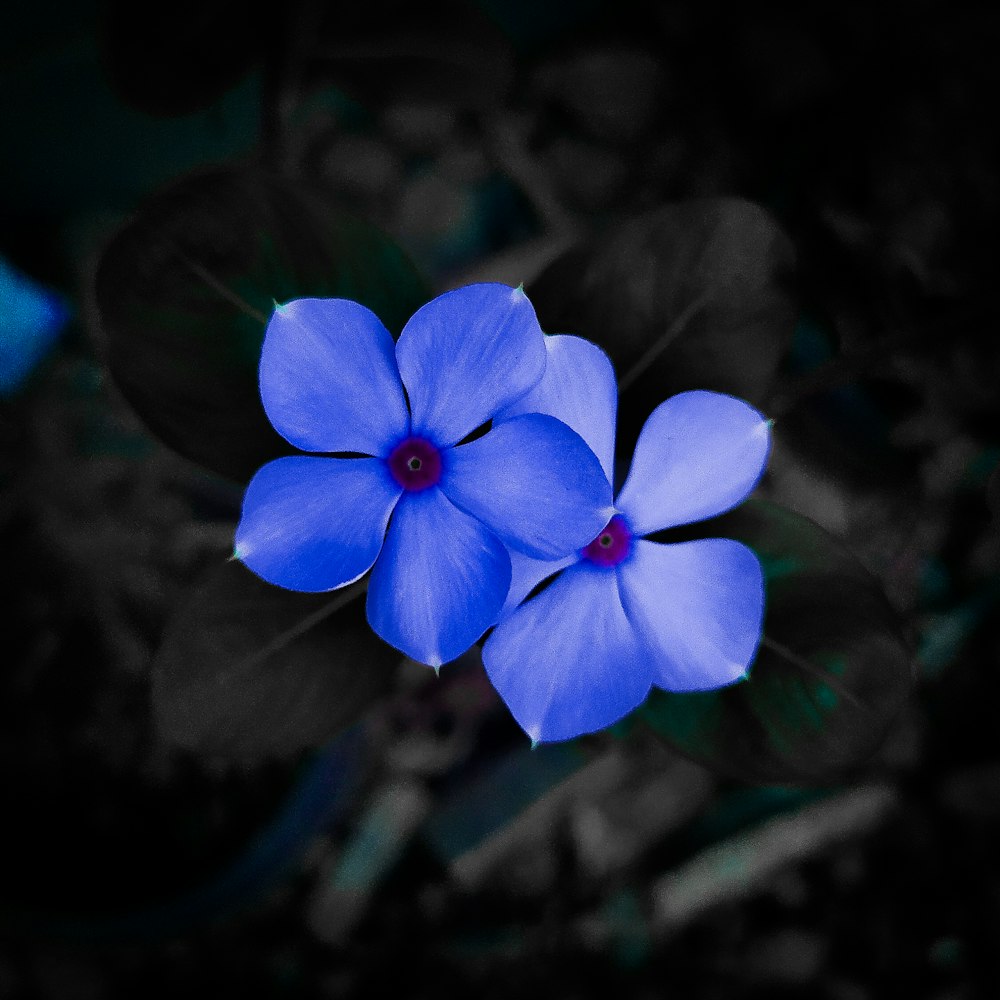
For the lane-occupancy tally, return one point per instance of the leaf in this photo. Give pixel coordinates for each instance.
(829, 679)
(176, 58)
(184, 290)
(247, 670)
(693, 295)
(486, 803)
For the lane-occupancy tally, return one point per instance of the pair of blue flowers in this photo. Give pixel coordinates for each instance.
(458, 527)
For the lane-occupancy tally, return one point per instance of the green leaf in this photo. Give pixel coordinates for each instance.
(831, 674)
(184, 290)
(247, 670)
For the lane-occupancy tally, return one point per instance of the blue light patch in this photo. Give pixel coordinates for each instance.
(31, 320)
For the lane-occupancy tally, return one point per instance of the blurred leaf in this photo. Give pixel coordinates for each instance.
(611, 91)
(443, 50)
(831, 675)
(486, 803)
(172, 59)
(247, 670)
(452, 224)
(945, 636)
(379, 837)
(737, 809)
(183, 292)
(749, 862)
(694, 294)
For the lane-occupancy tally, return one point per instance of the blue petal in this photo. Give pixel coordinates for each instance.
(568, 662)
(699, 454)
(31, 321)
(699, 608)
(526, 573)
(467, 354)
(440, 581)
(328, 378)
(315, 523)
(579, 389)
(534, 482)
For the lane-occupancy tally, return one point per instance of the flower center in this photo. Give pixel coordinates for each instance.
(415, 464)
(612, 545)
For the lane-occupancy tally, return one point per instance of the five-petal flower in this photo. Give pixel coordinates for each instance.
(624, 612)
(433, 517)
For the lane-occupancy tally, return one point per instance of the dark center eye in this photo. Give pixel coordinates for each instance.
(612, 546)
(415, 464)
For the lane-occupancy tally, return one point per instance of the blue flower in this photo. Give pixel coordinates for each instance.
(624, 612)
(434, 516)
(31, 321)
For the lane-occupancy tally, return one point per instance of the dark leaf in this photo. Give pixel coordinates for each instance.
(694, 295)
(444, 50)
(184, 290)
(173, 59)
(247, 670)
(832, 673)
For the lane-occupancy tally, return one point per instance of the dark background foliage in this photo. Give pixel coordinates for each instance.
(208, 783)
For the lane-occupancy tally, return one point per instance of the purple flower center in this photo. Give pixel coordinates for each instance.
(612, 545)
(415, 464)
